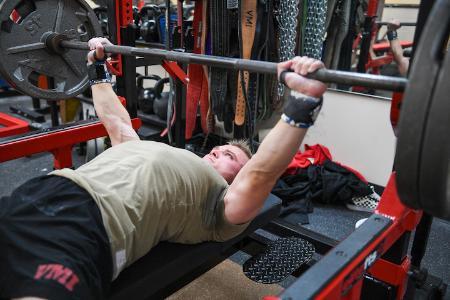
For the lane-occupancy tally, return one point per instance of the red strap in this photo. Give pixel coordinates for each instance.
(174, 70)
(141, 4)
(195, 74)
(193, 95)
(204, 98)
(204, 104)
(180, 22)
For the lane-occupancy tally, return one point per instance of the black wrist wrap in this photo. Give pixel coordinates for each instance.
(98, 73)
(392, 35)
(300, 110)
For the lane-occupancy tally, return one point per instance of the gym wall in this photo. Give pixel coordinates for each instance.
(403, 14)
(357, 130)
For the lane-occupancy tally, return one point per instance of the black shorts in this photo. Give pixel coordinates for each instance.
(53, 243)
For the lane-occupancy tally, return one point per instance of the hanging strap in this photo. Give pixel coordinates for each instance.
(258, 50)
(195, 73)
(180, 12)
(205, 49)
(315, 28)
(287, 24)
(220, 47)
(248, 13)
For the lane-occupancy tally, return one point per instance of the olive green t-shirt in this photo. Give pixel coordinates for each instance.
(149, 192)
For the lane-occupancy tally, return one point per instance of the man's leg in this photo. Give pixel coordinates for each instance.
(52, 243)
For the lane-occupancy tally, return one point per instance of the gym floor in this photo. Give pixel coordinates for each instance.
(332, 221)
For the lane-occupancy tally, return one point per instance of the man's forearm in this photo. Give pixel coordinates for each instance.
(396, 49)
(112, 114)
(107, 104)
(397, 52)
(257, 178)
(248, 191)
(273, 156)
(277, 150)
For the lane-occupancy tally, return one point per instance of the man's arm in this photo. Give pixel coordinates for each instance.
(252, 185)
(109, 109)
(402, 62)
(396, 48)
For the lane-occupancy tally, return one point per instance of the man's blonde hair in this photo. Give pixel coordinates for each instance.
(243, 145)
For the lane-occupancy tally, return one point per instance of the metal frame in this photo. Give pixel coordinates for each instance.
(338, 274)
(59, 141)
(322, 243)
(12, 125)
(383, 256)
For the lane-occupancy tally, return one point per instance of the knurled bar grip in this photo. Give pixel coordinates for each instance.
(388, 83)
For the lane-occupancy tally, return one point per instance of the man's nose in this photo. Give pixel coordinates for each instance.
(215, 153)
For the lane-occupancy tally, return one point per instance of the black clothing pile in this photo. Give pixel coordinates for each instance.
(328, 183)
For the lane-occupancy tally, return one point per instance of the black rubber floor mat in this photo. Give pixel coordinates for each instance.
(279, 260)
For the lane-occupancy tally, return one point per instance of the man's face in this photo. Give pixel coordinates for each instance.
(227, 160)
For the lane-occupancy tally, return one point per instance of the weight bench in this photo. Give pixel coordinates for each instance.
(169, 266)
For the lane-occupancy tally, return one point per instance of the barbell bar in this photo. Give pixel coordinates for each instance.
(328, 76)
(49, 40)
(402, 24)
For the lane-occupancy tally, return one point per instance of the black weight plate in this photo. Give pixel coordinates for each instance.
(435, 163)
(416, 103)
(24, 56)
(280, 259)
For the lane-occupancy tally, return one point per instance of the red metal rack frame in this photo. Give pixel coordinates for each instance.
(59, 141)
(339, 274)
(12, 125)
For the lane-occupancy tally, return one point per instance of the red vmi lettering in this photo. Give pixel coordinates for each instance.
(59, 273)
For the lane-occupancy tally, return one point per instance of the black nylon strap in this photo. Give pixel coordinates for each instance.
(392, 35)
(220, 47)
(300, 110)
(98, 73)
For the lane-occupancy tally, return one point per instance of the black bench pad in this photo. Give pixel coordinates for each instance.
(158, 272)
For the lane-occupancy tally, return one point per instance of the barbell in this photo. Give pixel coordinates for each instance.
(404, 24)
(50, 38)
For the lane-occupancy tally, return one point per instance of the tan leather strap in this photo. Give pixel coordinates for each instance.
(248, 27)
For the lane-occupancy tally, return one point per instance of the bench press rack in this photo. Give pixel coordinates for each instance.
(169, 266)
(375, 252)
(377, 248)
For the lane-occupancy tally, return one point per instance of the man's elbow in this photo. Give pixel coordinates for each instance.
(244, 200)
(118, 130)
(236, 214)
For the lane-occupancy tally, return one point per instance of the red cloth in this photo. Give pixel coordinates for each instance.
(315, 155)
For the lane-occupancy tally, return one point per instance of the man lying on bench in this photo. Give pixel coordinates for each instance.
(69, 234)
